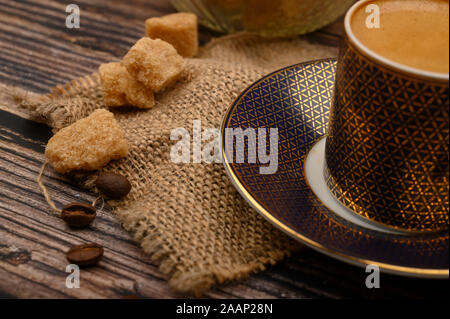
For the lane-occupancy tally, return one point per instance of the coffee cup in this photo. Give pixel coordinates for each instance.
(387, 146)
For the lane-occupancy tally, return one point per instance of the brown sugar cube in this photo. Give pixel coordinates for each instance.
(111, 75)
(119, 88)
(178, 29)
(154, 63)
(138, 95)
(87, 144)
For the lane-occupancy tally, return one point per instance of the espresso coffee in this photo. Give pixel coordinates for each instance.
(414, 33)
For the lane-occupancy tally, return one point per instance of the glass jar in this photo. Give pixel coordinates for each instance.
(265, 17)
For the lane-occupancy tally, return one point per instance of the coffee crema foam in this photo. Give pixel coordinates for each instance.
(412, 32)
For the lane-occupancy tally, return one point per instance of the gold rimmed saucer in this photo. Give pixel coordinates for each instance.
(296, 100)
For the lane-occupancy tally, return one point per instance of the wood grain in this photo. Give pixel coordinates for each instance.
(38, 52)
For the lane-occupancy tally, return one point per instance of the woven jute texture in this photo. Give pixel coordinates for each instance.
(188, 217)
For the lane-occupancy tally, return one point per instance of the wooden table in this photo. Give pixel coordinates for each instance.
(37, 52)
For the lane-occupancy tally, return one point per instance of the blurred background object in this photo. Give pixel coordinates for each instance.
(271, 18)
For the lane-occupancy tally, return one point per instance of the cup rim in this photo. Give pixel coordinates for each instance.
(379, 58)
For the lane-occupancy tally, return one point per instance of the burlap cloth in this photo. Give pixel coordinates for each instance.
(188, 217)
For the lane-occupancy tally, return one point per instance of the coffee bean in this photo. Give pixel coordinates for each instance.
(78, 215)
(85, 255)
(113, 185)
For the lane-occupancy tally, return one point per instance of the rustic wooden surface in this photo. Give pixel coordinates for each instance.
(38, 52)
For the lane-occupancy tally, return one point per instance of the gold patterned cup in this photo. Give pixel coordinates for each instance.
(387, 148)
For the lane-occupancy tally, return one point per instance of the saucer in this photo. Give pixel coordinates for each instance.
(296, 100)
